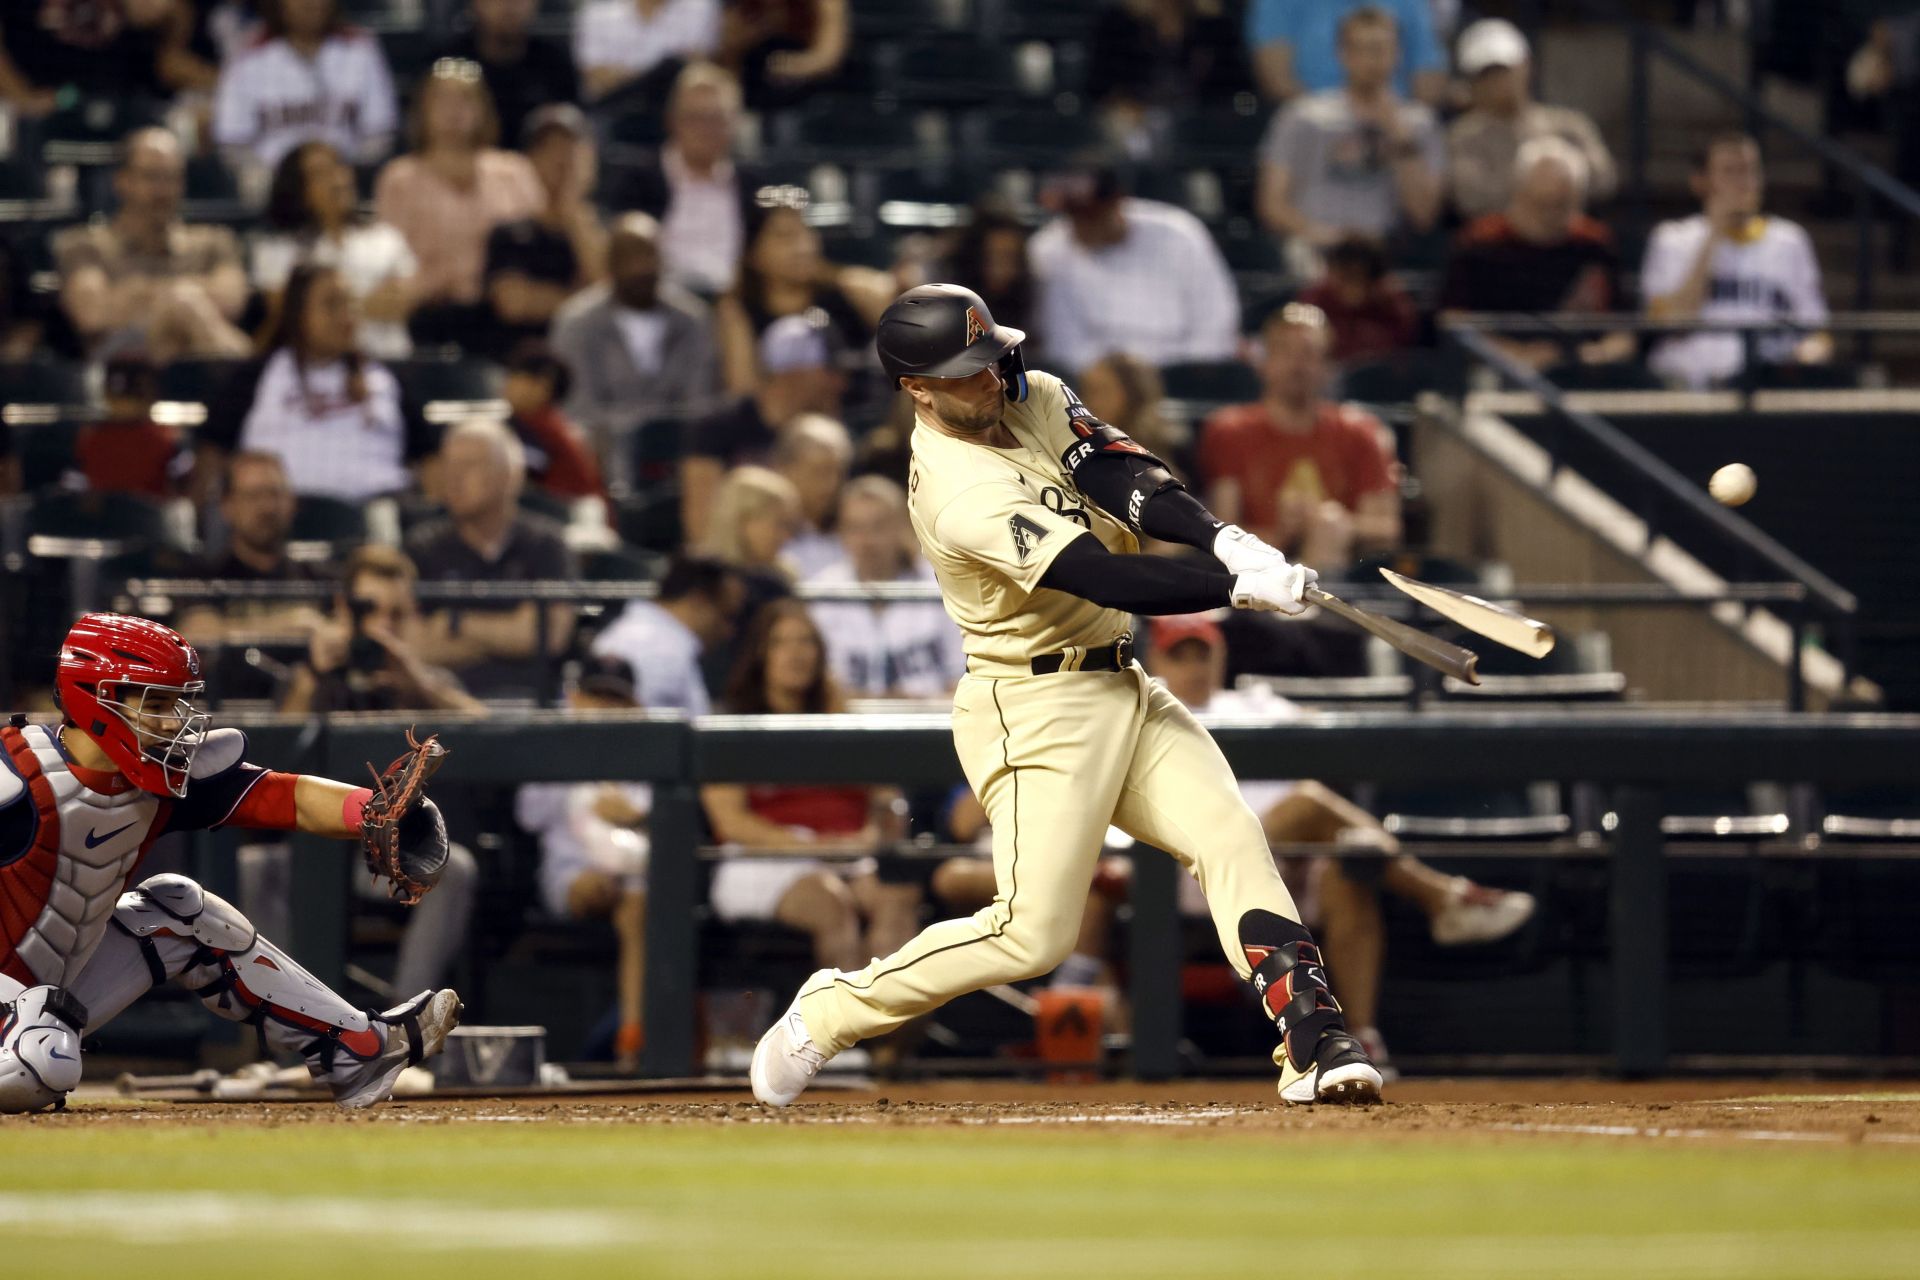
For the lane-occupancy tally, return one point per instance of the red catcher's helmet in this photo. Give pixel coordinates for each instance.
(130, 684)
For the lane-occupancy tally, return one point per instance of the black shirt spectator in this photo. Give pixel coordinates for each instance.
(737, 434)
(1161, 53)
(521, 70)
(536, 252)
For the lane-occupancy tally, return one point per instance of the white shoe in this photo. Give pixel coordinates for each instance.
(1340, 1074)
(1479, 914)
(786, 1060)
(1376, 1046)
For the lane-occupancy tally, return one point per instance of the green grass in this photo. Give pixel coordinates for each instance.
(530, 1200)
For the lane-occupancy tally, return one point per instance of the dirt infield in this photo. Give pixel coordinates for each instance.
(1877, 1112)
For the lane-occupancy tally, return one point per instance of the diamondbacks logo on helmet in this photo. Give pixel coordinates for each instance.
(975, 329)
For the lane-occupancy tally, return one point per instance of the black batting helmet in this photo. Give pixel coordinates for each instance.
(946, 331)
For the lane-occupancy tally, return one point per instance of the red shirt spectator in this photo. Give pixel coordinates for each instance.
(1495, 267)
(559, 459)
(1370, 313)
(131, 456)
(1338, 457)
(1312, 477)
(825, 811)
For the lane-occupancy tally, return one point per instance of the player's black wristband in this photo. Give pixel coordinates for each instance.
(1136, 584)
(1175, 515)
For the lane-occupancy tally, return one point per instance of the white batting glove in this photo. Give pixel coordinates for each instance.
(1276, 588)
(1243, 552)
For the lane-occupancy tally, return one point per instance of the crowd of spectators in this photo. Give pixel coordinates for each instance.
(682, 383)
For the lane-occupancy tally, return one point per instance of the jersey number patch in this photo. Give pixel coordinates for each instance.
(1055, 500)
(1026, 535)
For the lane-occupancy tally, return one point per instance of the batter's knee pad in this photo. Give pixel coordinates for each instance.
(1291, 979)
(39, 1049)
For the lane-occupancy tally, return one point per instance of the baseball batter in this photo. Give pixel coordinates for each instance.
(80, 940)
(1029, 509)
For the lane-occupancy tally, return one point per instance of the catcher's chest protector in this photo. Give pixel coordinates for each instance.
(59, 885)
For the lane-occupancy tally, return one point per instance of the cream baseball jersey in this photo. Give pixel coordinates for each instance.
(990, 522)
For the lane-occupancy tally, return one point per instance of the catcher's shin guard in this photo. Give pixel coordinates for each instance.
(39, 1049)
(1318, 1060)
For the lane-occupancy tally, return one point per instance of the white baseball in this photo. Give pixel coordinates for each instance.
(1733, 484)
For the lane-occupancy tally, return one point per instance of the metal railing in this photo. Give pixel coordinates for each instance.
(1660, 494)
(1634, 756)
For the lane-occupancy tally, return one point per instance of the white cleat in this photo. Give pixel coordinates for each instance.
(1340, 1074)
(786, 1060)
(1476, 913)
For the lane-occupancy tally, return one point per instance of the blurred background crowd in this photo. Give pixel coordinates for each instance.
(403, 300)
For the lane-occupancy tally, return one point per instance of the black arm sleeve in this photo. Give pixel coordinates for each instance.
(1127, 482)
(1137, 584)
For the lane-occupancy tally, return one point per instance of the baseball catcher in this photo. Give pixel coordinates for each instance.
(82, 936)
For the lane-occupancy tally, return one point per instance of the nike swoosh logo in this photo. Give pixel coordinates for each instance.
(95, 840)
(64, 1057)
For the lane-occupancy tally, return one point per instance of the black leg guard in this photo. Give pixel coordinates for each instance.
(1292, 981)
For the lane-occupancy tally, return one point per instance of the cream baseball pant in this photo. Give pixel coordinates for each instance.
(1055, 760)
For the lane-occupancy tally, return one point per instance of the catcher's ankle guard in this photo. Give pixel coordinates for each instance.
(1292, 981)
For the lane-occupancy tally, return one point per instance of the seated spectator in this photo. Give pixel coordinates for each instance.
(337, 419)
(256, 509)
(449, 193)
(783, 273)
(1353, 160)
(814, 453)
(1369, 313)
(756, 514)
(1297, 47)
(990, 254)
(593, 852)
(616, 43)
(139, 49)
(535, 264)
(663, 640)
(884, 649)
(522, 71)
(312, 78)
(369, 658)
(694, 185)
(799, 377)
(783, 50)
(487, 537)
(1188, 653)
(1314, 478)
(559, 457)
(1160, 56)
(1484, 141)
(638, 348)
(371, 655)
(782, 670)
(1543, 255)
(1125, 392)
(1112, 273)
(127, 451)
(313, 215)
(143, 277)
(1731, 262)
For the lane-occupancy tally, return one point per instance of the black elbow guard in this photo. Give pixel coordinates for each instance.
(1112, 469)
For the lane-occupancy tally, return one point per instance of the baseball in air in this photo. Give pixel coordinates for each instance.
(1733, 484)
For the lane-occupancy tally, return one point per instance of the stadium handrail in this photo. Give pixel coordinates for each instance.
(1661, 486)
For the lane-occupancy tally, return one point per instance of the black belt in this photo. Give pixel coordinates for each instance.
(1117, 656)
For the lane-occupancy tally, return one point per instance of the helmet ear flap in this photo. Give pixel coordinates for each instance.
(1012, 368)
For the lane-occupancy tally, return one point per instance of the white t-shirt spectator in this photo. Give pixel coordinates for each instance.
(271, 99)
(1339, 171)
(1771, 274)
(575, 840)
(701, 233)
(612, 33)
(903, 648)
(333, 444)
(1163, 293)
(366, 258)
(664, 655)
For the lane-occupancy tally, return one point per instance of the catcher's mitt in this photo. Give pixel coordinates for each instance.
(401, 831)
